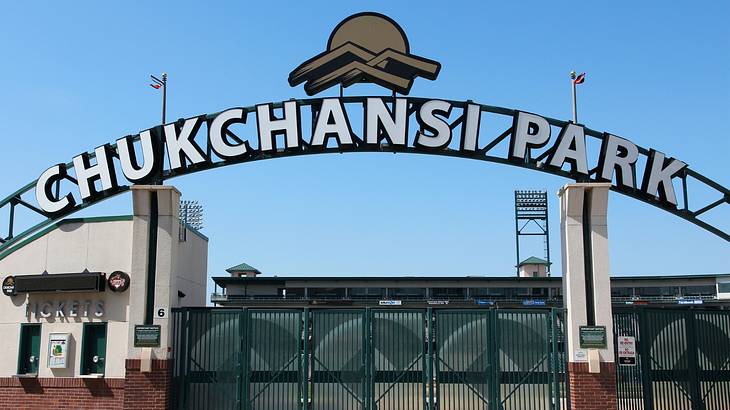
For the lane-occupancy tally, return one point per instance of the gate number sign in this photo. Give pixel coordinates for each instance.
(626, 351)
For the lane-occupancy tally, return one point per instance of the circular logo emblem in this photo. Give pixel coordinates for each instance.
(118, 281)
(9, 286)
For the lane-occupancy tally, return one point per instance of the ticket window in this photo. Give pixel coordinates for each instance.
(93, 348)
(30, 347)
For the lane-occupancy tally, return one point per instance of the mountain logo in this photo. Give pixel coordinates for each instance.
(365, 47)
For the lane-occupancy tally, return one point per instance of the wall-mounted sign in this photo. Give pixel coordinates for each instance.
(580, 355)
(9, 286)
(689, 301)
(533, 302)
(438, 302)
(484, 302)
(118, 281)
(146, 335)
(626, 350)
(66, 308)
(390, 303)
(160, 312)
(593, 337)
(58, 350)
(61, 282)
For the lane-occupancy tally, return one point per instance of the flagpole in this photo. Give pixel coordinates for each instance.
(161, 84)
(575, 106)
(164, 96)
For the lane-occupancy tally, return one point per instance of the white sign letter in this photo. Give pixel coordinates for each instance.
(620, 155)
(269, 127)
(87, 174)
(218, 129)
(571, 147)
(439, 129)
(44, 190)
(181, 144)
(658, 176)
(528, 131)
(378, 118)
(339, 126)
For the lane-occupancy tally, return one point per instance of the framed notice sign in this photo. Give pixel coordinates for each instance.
(147, 336)
(626, 350)
(58, 350)
(593, 337)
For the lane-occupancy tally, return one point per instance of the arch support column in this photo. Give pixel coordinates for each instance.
(587, 294)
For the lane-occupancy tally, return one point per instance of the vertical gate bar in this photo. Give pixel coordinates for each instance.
(245, 324)
(693, 362)
(186, 362)
(304, 378)
(493, 359)
(367, 332)
(645, 352)
(553, 363)
(429, 358)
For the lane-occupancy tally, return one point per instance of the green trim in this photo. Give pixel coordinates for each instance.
(20, 345)
(534, 261)
(242, 267)
(60, 223)
(82, 363)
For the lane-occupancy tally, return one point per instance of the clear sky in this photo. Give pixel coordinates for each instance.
(75, 75)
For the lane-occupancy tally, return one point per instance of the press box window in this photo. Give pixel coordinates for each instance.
(30, 347)
(93, 348)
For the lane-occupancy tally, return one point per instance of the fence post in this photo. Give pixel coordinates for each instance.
(693, 374)
(554, 361)
(185, 364)
(367, 363)
(644, 353)
(493, 359)
(429, 359)
(304, 380)
(245, 351)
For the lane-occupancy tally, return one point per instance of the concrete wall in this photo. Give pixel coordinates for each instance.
(72, 248)
(105, 245)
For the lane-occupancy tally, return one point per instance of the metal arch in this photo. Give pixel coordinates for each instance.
(721, 193)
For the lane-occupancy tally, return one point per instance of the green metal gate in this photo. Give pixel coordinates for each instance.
(683, 359)
(369, 359)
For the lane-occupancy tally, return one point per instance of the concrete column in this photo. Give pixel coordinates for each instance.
(584, 234)
(167, 237)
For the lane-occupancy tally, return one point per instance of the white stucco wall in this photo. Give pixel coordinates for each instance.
(104, 245)
(71, 248)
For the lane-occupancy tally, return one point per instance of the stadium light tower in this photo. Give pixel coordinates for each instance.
(191, 216)
(531, 219)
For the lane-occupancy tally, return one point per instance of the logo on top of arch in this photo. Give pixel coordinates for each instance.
(365, 48)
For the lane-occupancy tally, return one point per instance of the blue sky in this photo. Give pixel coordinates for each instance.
(74, 76)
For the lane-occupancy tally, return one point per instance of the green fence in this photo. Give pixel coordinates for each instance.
(683, 359)
(369, 359)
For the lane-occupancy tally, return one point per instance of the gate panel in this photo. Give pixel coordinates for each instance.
(713, 350)
(206, 370)
(273, 367)
(464, 360)
(629, 379)
(683, 359)
(524, 359)
(668, 359)
(399, 355)
(338, 359)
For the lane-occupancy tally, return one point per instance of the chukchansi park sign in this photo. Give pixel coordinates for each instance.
(369, 47)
